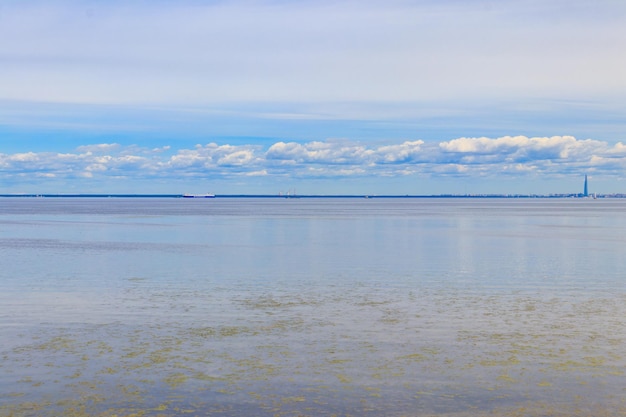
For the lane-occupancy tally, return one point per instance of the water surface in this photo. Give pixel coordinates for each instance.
(307, 307)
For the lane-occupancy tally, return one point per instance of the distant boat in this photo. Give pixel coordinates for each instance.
(199, 195)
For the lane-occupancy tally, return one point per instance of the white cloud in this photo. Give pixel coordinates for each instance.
(619, 149)
(261, 173)
(242, 157)
(332, 152)
(24, 157)
(45, 175)
(524, 149)
(506, 144)
(344, 153)
(186, 158)
(96, 168)
(99, 148)
(405, 152)
(212, 155)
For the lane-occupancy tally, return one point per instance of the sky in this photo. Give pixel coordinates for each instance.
(314, 97)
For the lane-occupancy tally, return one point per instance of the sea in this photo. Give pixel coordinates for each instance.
(312, 307)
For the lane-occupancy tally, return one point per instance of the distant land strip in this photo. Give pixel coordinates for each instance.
(27, 195)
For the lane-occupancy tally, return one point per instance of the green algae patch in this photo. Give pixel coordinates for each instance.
(594, 361)
(175, 380)
(109, 371)
(255, 368)
(413, 357)
(506, 378)
(57, 344)
(511, 360)
(100, 347)
(289, 400)
(337, 361)
(229, 331)
(344, 379)
(572, 365)
(277, 303)
(203, 332)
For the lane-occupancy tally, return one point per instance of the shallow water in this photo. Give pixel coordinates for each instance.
(234, 306)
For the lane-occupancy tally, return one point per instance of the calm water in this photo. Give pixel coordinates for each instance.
(309, 307)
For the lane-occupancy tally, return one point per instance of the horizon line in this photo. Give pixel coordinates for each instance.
(168, 195)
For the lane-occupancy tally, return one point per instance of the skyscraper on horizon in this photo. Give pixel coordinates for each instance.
(586, 189)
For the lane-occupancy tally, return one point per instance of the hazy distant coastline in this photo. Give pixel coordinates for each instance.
(612, 195)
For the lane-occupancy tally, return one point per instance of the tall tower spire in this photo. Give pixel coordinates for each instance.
(586, 191)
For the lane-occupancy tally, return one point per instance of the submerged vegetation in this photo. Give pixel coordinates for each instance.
(268, 354)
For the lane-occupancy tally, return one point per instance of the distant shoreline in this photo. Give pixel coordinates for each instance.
(365, 196)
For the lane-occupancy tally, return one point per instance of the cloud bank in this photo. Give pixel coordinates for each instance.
(462, 157)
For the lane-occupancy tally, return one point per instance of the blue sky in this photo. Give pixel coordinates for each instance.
(325, 97)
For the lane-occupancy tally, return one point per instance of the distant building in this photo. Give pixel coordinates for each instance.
(586, 189)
